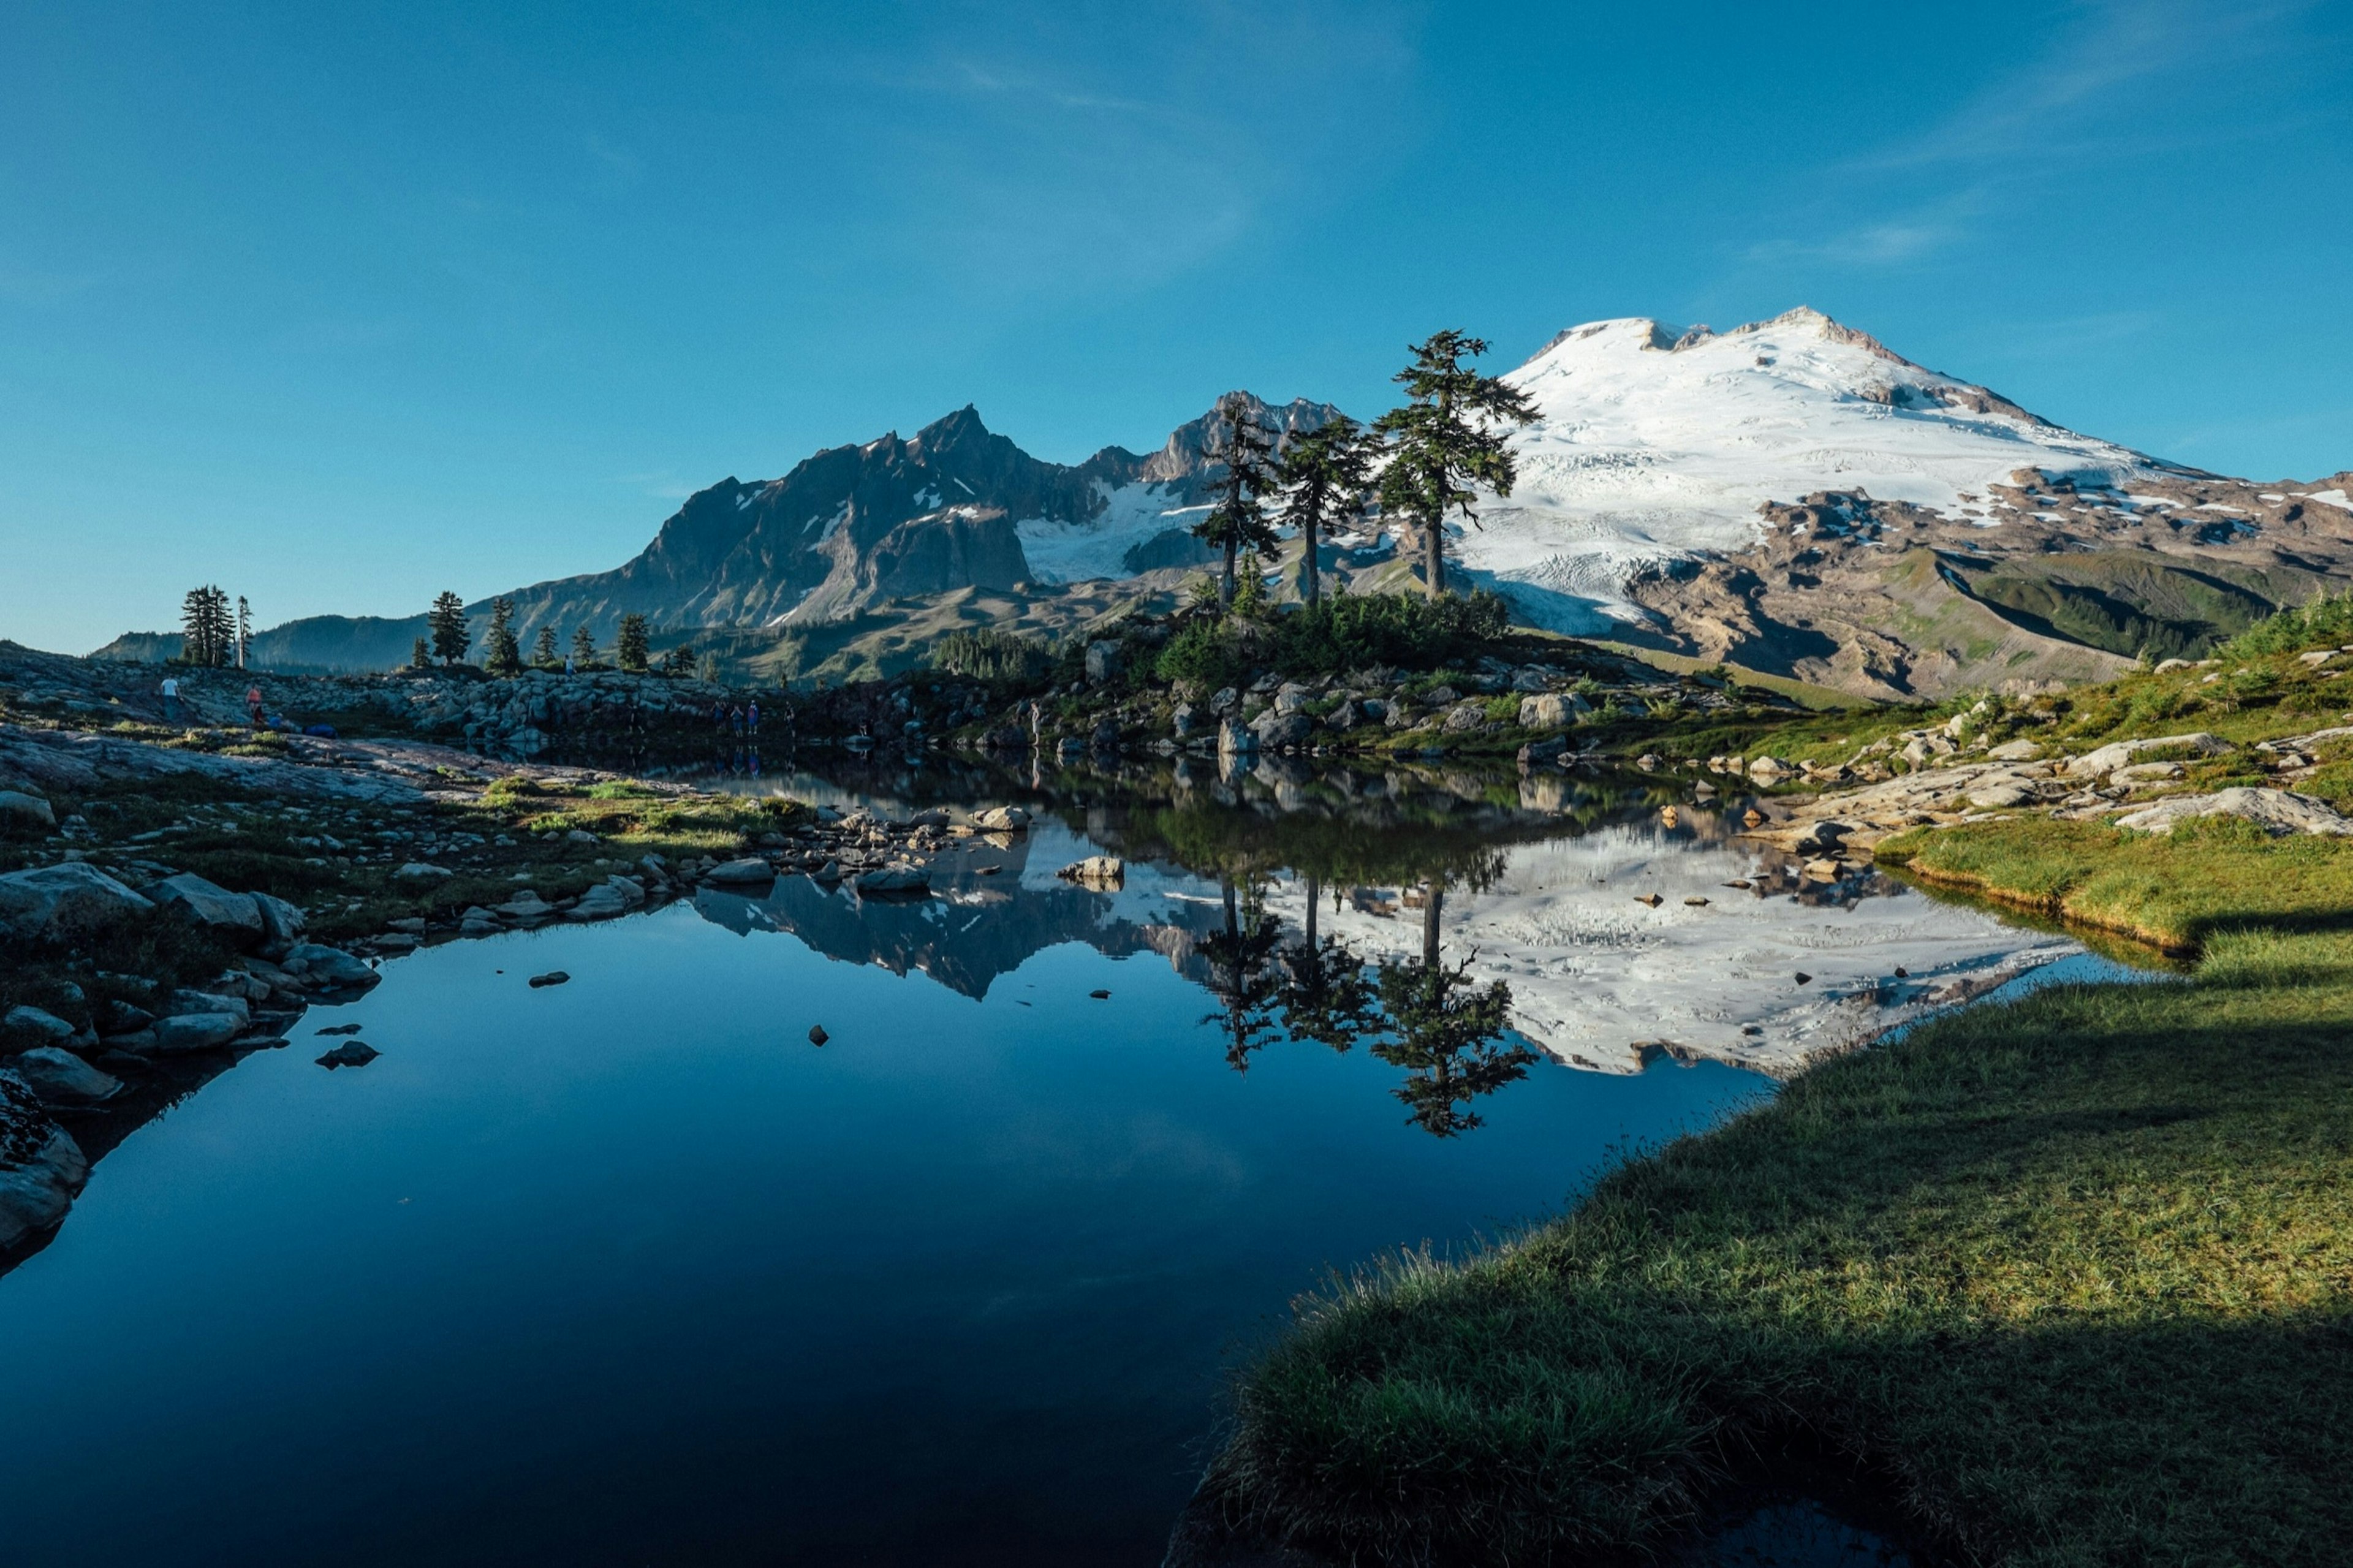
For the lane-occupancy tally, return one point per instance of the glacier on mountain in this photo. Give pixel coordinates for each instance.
(1655, 443)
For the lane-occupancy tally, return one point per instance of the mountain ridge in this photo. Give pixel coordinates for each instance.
(1791, 494)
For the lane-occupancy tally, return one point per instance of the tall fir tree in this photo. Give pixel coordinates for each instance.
(1448, 436)
(1236, 520)
(584, 649)
(542, 650)
(420, 655)
(447, 622)
(632, 648)
(502, 655)
(244, 628)
(1326, 476)
(207, 632)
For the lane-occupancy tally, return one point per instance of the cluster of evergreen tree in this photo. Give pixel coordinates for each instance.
(207, 635)
(449, 637)
(1446, 438)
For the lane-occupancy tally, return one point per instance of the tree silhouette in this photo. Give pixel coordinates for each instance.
(205, 631)
(447, 622)
(1326, 473)
(1236, 519)
(584, 649)
(542, 650)
(1447, 437)
(632, 648)
(502, 655)
(420, 656)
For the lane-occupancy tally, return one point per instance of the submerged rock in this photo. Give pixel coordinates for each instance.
(747, 870)
(350, 1054)
(1096, 871)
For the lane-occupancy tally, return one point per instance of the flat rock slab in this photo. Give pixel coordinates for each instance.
(65, 901)
(2277, 812)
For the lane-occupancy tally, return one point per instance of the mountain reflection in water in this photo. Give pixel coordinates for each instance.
(1557, 912)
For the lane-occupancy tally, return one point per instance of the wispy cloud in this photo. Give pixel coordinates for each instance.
(2101, 92)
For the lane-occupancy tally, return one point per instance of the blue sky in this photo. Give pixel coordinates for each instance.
(337, 306)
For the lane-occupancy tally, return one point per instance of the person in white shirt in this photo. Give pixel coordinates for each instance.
(172, 699)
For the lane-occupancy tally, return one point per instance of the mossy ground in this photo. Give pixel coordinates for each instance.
(273, 844)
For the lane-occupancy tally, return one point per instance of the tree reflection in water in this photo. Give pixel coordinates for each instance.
(1446, 1030)
(1427, 1017)
(1242, 974)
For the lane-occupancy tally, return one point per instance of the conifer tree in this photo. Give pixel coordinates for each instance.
(584, 649)
(678, 661)
(1237, 517)
(1327, 473)
(420, 656)
(632, 648)
(1447, 437)
(502, 655)
(542, 649)
(244, 628)
(447, 622)
(205, 630)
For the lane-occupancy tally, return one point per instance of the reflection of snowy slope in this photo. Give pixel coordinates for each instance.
(1655, 443)
(1594, 975)
(1133, 516)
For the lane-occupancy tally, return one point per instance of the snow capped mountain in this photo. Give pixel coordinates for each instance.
(1148, 506)
(1658, 443)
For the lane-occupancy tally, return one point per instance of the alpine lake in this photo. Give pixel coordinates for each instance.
(636, 1269)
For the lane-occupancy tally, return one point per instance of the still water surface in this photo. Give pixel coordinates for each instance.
(626, 1271)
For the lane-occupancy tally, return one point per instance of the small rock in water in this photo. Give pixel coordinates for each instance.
(1668, 816)
(1752, 1029)
(350, 1054)
(1654, 899)
(1095, 871)
(1743, 884)
(1100, 995)
(986, 871)
(1803, 977)
(341, 1030)
(552, 977)
(1697, 903)
(1902, 972)
(817, 1035)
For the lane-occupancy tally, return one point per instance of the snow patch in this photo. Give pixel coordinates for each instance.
(1656, 443)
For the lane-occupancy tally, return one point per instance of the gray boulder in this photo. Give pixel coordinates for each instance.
(24, 813)
(749, 869)
(61, 1078)
(62, 901)
(2277, 812)
(281, 923)
(1279, 729)
(41, 1168)
(193, 1032)
(327, 968)
(1002, 819)
(35, 1025)
(186, 1001)
(1235, 738)
(1102, 662)
(2108, 759)
(1546, 710)
(226, 914)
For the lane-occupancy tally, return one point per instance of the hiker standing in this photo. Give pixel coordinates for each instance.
(172, 699)
(253, 706)
(752, 718)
